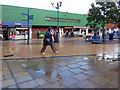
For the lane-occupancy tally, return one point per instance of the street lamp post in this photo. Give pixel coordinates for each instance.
(28, 29)
(57, 7)
(113, 29)
(119, 16)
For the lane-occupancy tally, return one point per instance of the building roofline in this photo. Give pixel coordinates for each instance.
(39, 9)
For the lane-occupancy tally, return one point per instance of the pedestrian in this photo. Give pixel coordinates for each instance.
(66, 35)
(52, 32)
(72, 34)
(83, 34)
(69, 34)
(117, 33)
(48, 41)
(55, 37)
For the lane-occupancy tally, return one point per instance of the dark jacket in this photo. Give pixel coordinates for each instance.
(48, 35)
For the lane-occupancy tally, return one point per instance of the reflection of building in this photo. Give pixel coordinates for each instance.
(42, 19)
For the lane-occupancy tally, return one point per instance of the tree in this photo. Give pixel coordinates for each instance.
(103, 13)
(118, 14)
(109, 12)
(93, 19)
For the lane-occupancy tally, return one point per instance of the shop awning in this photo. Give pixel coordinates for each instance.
(68, 27)
(15, 24)
(81, 27)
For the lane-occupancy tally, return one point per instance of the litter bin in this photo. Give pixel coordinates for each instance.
(111, 36)
(41, 35)
(10, 40)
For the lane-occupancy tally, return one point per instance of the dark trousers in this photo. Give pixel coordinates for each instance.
(52, 47)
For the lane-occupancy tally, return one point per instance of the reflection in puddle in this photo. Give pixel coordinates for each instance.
(43, 67)
(93, 57)
(107, 57)
(48, 68)
(24, 65)
(40, 71)
(85, 58)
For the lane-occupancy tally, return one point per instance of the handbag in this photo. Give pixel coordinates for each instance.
(47, 40)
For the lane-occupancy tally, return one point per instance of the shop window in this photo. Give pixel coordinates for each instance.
(35, 33)
(17, 33)
(76, 29)
(40, 31)
(44, 30)
(89, 31)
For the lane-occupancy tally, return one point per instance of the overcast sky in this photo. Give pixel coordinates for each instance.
(71, 6)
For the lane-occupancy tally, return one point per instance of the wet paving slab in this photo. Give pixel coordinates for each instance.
(78, 64)
(75, 71)
(72, 46)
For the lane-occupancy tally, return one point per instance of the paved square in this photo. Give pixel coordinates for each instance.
(82, 67)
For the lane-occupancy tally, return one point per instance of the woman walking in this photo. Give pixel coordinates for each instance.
(48, 41)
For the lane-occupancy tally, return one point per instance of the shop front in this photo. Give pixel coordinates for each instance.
(1, 33)
(42, 20)
(39, 31)
(82, 30)
(16, 30)
(68, 29)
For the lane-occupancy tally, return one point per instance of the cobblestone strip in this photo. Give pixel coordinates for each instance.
(10, 81)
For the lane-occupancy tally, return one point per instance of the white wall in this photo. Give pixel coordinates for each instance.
(30, 32)
(61, 32)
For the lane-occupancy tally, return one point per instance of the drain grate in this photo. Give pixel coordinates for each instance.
(8, 55)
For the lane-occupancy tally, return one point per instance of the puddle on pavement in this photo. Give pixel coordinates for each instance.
(93, 57)
(107, 57)
(44, 67)
(85, 58)
(104, 57)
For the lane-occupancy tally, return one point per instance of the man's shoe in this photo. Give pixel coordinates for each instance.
(56, 51)
(43, 52)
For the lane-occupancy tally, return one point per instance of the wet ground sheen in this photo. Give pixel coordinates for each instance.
(78, 64)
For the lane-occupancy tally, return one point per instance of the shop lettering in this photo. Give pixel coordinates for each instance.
(52, 19)
(17, 23)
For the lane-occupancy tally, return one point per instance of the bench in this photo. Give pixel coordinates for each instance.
(95, 39)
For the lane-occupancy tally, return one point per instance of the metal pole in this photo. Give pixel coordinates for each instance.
(57, 7)
(58, 22)
(103, 35)
(113, 29)
(28, 28)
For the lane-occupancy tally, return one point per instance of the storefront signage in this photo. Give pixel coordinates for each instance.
(15, 24)
(12, 29)
(52, 19)
(68, 27)
(81, 27)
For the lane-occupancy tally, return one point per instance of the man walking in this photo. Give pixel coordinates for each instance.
(48, 41)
